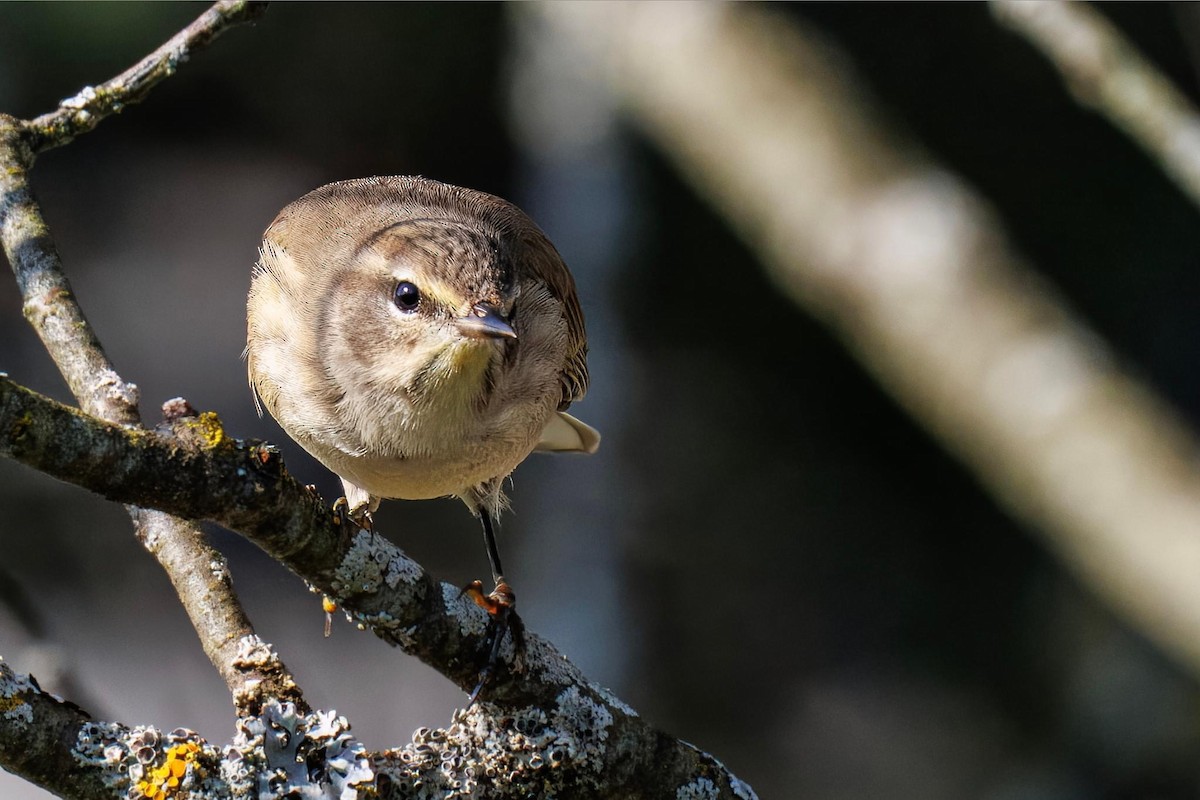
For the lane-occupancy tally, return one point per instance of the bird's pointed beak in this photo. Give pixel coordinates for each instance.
(486, 322)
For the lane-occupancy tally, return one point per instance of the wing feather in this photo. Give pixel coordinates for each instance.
(549, 267)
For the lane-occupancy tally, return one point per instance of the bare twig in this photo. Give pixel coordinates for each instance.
(588, 742)
(81, 113)
(912, 272)
(49, 303)
(51, 308)
(1105, 71)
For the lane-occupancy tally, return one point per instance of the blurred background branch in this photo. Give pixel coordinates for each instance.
(913, 272)
(1105, 72)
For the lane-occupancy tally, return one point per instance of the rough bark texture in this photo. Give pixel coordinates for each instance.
(51, 308)
(542, 726)
(541, 729)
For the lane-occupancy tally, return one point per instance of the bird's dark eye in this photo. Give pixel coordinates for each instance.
(407, 297)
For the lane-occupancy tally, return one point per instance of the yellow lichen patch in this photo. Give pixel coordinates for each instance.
(20, 425)
(208, 427)
(9, 703)
(163, 780)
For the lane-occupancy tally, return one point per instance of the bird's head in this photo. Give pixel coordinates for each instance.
(425, 308)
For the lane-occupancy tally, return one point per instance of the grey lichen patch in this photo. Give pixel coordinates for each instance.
(611, 699)
(583, 725)
(13, 688)
(371, 563)
(549, 665)
(489, 751)
(401, 569)
(284, 753)
(710, 767)
(698, 789)
(741, 789)
(118, 390)
(218, 567)
(471, 619)
(104, 746)
(279, 753)
(146, 763)
(486, 752)
(254, 653)
(16, 709)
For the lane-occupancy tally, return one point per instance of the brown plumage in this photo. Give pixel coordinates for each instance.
(418, 339)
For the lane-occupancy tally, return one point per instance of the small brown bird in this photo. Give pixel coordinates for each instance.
(420, 340)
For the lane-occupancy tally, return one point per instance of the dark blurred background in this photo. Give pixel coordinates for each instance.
(766, 558)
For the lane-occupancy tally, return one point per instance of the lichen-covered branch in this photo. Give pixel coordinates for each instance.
(57, 746)
(191, 469)
(576, 749)
(911, 270)
(51, 308)
(37, 735)
(81, 113)
(542, 728)
(1105, 71)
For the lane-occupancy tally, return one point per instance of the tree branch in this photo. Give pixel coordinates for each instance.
(37, 734)
(913, 273)
(1104, 71)
(50, 307)
(542, 728)
(587, 743)
(83, 112)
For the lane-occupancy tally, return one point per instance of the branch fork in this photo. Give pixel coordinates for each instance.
(542, 729)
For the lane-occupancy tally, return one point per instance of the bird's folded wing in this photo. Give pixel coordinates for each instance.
(565, 434)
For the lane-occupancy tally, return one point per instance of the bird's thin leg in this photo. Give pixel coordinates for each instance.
(501, 597)
(499, 604)
(489, 541)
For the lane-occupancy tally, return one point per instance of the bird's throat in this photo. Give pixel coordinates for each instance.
(456, 377)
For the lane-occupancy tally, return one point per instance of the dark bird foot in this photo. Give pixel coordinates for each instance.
(501, 607)
(362, 517)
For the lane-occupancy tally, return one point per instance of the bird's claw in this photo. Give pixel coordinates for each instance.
(360, 516)
(500, 604)
(500, 598)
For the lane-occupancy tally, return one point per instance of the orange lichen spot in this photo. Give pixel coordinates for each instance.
(329, 607)
(9, 703)
(163, 780)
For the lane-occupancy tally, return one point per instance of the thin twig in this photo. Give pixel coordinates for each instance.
(51, 308)
(81, 113)
(1105, 71)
